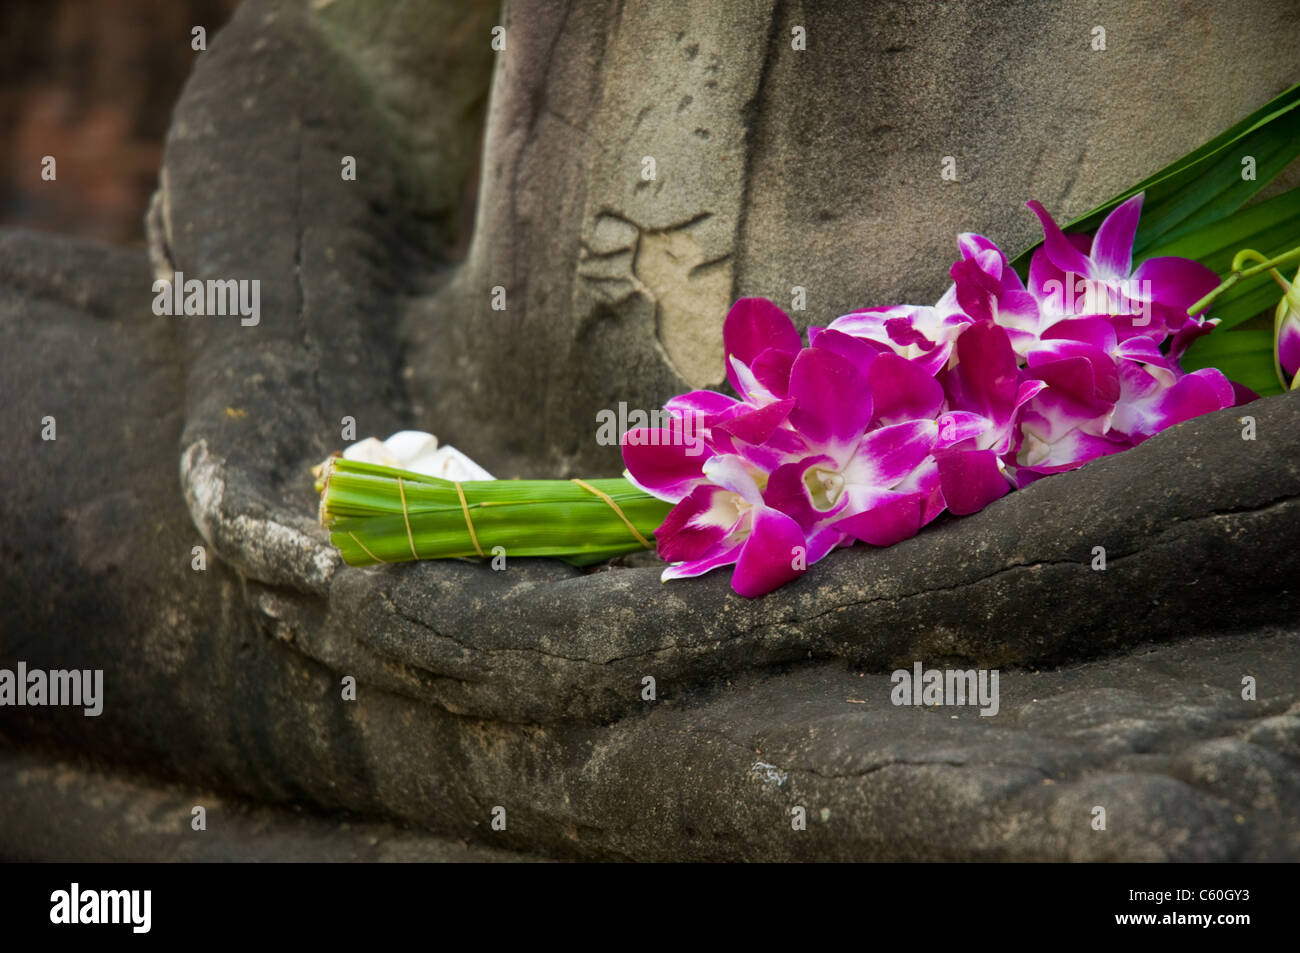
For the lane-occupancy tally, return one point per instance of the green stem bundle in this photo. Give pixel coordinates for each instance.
(377, 514)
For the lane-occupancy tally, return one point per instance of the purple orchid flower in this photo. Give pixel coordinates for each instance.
(804, 462)
(1153, 402)
(1090, 322)
(720, 517)
(860, 475)
(725, 521)
(1288, 332)
(1070, 275)
(891, 415)
(986, 390)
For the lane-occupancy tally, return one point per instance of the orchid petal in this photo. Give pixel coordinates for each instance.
(822, 542)
(1241, 394)
(699, 403)
(1096, 331)
(753, 425)
(888, 455)
(958, 425)
(1148, 405)
(1177, 283)
(752, 326)
(881, 517)
(971, 245)
(664, 462)
(721, 556)
(1071, 451)
(902, 390)
(833, 402)
(1112, 247)
(858, 351)
(1063, 253)
(729, 471)
(924, 482)
(747, 385)
(1288, 346)
(695, 526)
(783, 446)
(1185, 335)
(1200, 392)
(971, 479)
(772, 369)
(986, 372)
(1081, 372)
(768, 557)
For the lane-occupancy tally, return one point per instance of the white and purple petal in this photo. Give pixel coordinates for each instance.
(1112, 246)
(698, 524)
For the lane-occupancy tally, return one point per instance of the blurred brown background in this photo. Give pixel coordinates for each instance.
(92, 83)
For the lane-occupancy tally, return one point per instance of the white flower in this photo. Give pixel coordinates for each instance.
(418, 452)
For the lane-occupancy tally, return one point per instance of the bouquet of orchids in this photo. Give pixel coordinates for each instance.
(888, 416)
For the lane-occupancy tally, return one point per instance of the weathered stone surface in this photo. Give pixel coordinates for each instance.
(523, 689)
(207, 686)
(266, 121)
(60, 812)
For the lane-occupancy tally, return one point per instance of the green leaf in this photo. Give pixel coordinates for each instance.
(1206, 185)
(1244, 356)
(1270, 228)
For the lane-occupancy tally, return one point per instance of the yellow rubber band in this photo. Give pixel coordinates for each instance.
(614, 506)
(363, 546)
(406, 516)
(460, 491)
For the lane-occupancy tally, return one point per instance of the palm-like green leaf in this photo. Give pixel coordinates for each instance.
(1244, 356)
(1270, 227)
(1206, 185)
